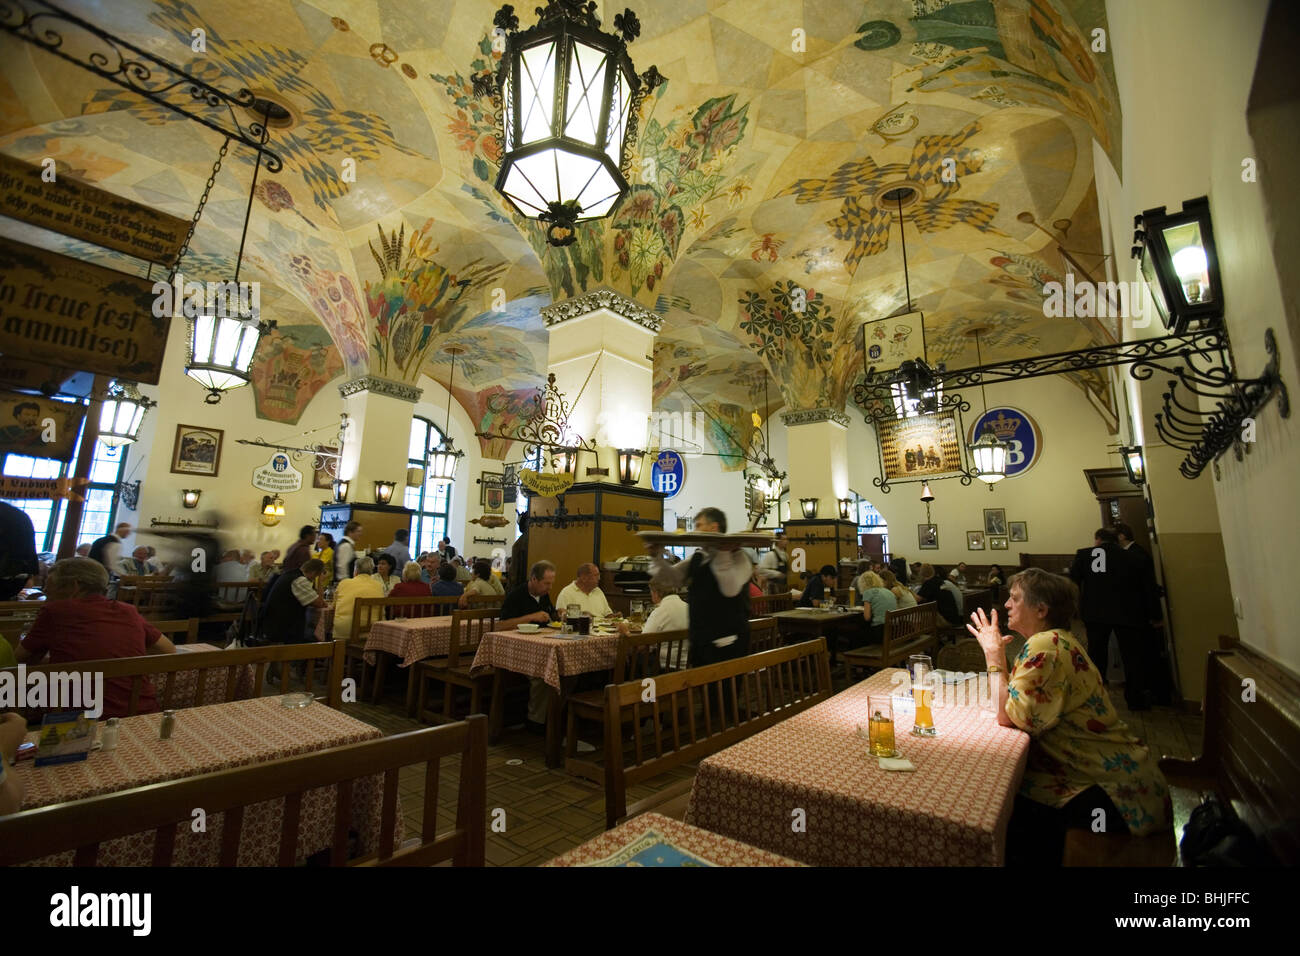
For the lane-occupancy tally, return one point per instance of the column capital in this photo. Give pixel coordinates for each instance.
(608, 299)
(811, 416)
(381, 386)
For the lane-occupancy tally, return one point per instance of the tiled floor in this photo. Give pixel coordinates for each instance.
(535, 814)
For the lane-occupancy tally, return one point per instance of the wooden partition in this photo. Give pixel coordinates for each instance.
(594, 522)
(824, 541)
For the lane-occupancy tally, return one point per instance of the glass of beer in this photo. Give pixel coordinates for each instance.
(922, 673)
(584, 623)
(571, 614)
(880, 727)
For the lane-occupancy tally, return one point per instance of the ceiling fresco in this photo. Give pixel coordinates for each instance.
(756, 226)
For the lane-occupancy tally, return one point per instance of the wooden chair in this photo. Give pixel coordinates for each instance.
(148, 593)
(84, 825)
(770, 603)
(639, 656)
(184, 631)
(794, 678)
(165, 666)
(908, 630)
(764, 635)
(467, 629)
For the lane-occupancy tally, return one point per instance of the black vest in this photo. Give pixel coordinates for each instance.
(284, 619)
(713, 616)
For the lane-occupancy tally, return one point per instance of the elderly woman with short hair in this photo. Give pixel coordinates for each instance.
(1082, 757)
(80, 623)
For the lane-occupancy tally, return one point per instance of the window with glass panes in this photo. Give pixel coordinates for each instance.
(97, 517)
(431, 502)
(871, 521)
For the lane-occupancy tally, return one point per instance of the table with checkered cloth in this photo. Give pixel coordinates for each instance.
(410, 639)
(544, 655)
(654, 840)
(185, 688)
(951, 811)
(204, 740)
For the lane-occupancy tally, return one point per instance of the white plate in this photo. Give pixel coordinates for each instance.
(529, 628)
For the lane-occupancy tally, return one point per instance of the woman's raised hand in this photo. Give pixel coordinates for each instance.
(987, 633)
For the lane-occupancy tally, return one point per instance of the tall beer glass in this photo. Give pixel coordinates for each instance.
(922, 672)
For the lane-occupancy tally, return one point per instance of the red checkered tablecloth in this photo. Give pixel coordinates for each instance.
(207, 739)
(411, 639)
(642, 840)
(806, 788)
(541, 655)
(185, 687)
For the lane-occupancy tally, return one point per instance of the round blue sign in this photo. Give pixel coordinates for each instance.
(668, 474)
(279, 462)
(1019, 431)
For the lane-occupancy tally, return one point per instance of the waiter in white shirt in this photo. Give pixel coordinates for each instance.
(717, 580)
(585, 593)
(775, 565)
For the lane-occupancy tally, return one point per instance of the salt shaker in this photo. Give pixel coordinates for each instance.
(168, 724)
(108, 740)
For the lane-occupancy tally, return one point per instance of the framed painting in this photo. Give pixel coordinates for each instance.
(998, 542)
(1019, 530)
(927, 537)
(974, 540)
(197, 451)
(995, 521)
(486, 481)
(323, 468)
(922, 446)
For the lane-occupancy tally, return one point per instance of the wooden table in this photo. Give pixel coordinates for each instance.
(952, 810)
(410, 639)
(558, 661)
(207, 739)
(806, 623)
(654, 840)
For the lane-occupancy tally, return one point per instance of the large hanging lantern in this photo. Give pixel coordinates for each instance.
(221, 351)
(568, 106)
(121, 413)
(990, 455)
(444, 459)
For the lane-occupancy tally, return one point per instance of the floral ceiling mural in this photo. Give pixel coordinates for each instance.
(757, 182)
(291, 365)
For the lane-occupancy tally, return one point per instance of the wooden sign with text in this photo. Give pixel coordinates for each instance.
(548, 486)
(76, 315)
(86, 212)
(43, 488)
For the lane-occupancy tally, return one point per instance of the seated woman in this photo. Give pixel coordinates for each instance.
(996, 577)
(79, 623)
(362, 584)
(1082, 757)
(386, 572)
(411, 586)
(447, 585)
(670, 614)
(902, 595)
(877, 601)
(933, 591)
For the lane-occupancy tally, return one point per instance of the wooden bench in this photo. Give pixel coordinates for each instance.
(150, 666)
(85, 824)
(908, 630)
(1250, 758)
(452, 671)
(792, 678)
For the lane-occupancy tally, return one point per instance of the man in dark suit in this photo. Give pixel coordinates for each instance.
(1097, 571)
(1142, 626)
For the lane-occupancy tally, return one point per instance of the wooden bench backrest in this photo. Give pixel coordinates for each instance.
(232, 661)
(367, 610)
(145, 591)
(770, 603)
(467, 629)
(648, 655)
(702, 706)
(1251, 751)
(85, 824)
(764, 634)
(905, 623)
(182, 631)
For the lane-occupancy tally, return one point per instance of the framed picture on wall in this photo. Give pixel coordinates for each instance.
(927, 537)
(1019, 530)
(998, 542)
(995, 521)
(974, 540)
(486, 480)
(322, 468)
(197, 451)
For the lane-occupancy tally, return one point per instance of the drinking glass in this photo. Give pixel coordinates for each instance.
(880, 726)
(584, 623)
(922, 672)
(571, 614)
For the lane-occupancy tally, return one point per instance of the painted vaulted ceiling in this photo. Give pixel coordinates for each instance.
(758, 180)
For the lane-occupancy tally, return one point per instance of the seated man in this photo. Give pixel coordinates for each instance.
(585, 593)
(230, 570)
(139, 563)
(78, 623)
(821, 586)
(284, 612)
(362, 584)
(530, 603)
(264, 569)
(447, 585)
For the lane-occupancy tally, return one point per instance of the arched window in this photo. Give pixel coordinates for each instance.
(431, 502)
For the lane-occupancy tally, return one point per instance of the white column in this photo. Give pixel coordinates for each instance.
(379, 433)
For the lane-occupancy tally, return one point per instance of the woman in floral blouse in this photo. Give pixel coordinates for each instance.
(1082, 757)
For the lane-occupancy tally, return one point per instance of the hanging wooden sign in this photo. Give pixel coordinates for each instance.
(86, 212)
(39, 427)
(76, 315)
(44, 489)
(548, 486)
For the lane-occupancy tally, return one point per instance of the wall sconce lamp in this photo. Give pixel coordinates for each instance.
(629, 465)
(809, 506)
(341, 486)
(846, 507)
(190, 497)
(1180, 264)
(272, 510)
(1134, 463)
(384, 492)
(566, 460)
